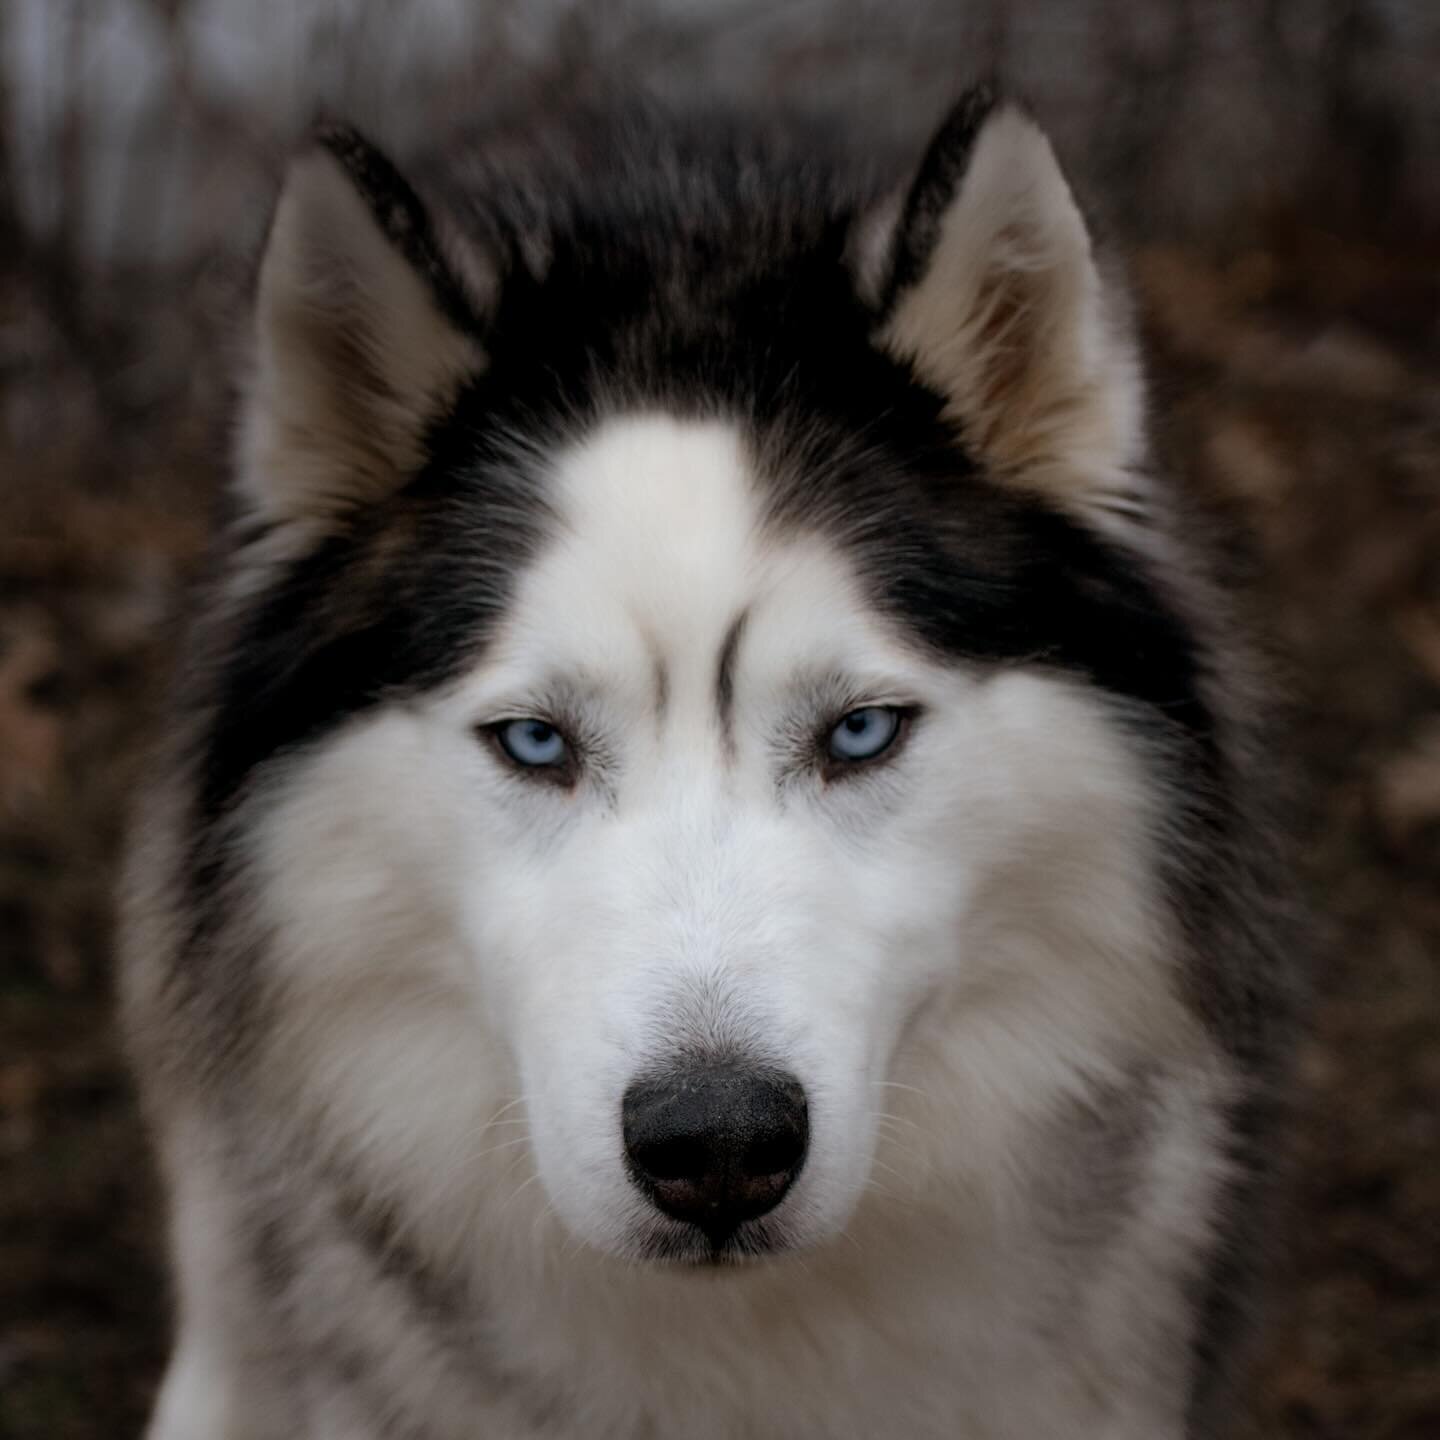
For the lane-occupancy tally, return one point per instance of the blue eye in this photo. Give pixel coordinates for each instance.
(535, 744)
(864, 734)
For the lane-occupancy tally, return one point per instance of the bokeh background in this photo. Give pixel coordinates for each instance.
(1272, 167)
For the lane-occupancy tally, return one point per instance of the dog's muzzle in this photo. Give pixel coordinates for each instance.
(717, 1145)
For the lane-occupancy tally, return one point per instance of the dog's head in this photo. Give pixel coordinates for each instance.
(695, 725)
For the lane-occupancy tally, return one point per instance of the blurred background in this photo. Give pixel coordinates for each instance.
(1271, 168)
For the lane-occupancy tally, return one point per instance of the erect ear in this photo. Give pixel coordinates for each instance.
(362, 336)
(989, 288)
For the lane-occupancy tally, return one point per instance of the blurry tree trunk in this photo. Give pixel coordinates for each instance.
(1368, 159)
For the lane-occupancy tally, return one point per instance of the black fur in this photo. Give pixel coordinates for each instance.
(725, 678)
(939, 178)
(400, 215)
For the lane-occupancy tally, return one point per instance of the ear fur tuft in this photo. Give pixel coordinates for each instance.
(362, 336)
(995, 298)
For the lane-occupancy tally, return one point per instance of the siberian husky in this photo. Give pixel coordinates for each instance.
(710, 880)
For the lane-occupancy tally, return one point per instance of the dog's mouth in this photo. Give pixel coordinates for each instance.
(686, 1247)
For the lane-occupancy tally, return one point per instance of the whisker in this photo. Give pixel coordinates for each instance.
(479, 1133)
(519, 1190)
(573, 1244)
(889, 1170)
(503, 1145)
(547, 1213)
(898, 1119)
(505, 1109)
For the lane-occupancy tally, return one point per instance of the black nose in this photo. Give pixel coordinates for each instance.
(716, 1145)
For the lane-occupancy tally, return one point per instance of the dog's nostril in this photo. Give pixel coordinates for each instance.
(718, 1145)
(775, 1154)
(676, 1159)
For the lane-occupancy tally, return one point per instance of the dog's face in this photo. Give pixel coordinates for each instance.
(790, 811)
(700, 808)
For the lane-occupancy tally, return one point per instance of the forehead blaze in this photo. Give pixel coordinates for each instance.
(659, 520)
(665, 576)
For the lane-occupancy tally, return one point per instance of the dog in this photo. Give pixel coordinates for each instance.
(712, 872)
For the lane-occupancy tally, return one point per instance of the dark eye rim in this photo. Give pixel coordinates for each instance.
(563, 772)
(837, 766)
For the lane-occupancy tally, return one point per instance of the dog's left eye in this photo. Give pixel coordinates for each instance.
(535, 744)
(865, 734)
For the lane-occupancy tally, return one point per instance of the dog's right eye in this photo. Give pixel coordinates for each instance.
(532, 744)
(865, 734)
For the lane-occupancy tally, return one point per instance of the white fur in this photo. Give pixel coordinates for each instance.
(951, 953)
(214, 1385)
